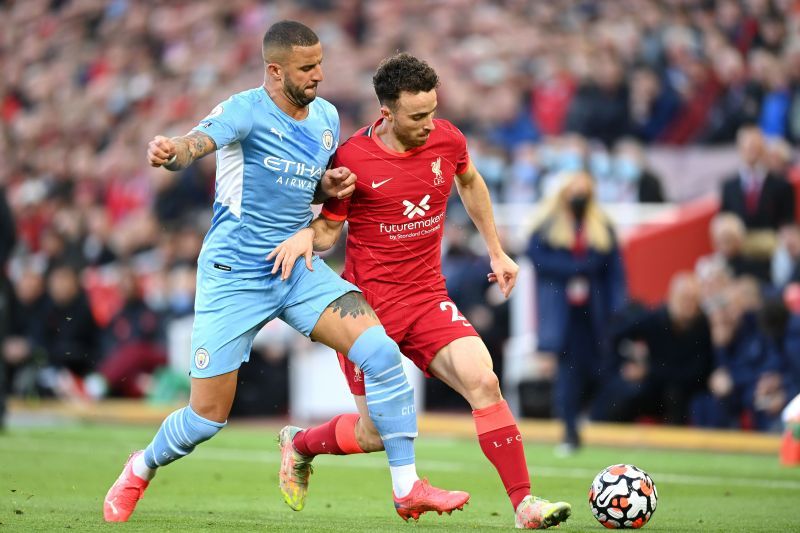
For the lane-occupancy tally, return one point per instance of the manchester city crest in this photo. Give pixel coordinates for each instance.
(327, 139)
(201, 358)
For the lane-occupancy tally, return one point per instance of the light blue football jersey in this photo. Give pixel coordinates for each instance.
(268, 167)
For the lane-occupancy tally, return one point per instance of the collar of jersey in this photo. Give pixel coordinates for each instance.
(377, 140)
(272, 103)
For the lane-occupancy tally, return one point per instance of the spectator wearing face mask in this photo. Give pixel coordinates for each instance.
(630, 169)
(580, 284)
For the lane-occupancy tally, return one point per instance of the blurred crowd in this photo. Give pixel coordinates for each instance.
(104, 261)
(722, 351)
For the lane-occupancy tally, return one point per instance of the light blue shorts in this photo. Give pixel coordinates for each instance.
(229, 311)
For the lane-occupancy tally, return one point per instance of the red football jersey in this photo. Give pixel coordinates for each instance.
(396, 214)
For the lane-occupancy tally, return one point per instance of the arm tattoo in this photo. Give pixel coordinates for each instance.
(352, 304)
(199, 144)
(190, 148)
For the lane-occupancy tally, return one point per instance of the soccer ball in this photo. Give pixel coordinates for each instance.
(623, 497)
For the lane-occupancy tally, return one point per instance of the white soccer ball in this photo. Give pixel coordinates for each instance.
(623, 497)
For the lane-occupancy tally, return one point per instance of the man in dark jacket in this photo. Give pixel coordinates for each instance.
(764, 201)
(659, 359)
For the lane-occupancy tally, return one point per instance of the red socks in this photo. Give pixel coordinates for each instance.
(501, 443)
(497, 431)
(335, 437)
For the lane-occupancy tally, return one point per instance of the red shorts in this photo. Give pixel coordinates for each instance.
(420, 328)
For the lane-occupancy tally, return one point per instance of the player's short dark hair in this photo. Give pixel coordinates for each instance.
(402, 72)
(283, 35)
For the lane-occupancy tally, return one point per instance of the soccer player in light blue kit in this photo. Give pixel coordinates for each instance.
(273, 144)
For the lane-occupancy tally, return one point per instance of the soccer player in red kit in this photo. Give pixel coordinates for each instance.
(406, 163)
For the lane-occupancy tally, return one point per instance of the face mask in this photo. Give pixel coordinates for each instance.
(600, 164)
(570, 161)
(578, 205)
(627, 170)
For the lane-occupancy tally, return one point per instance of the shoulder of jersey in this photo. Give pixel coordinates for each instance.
(447, 127)
(359, 137)
(325, 106)
(245, 99)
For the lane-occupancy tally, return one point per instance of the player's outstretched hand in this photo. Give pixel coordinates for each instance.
(287, 252)
(338, 182)
(504, 272)
(160, 150)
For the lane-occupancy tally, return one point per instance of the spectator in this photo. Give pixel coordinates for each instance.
(727, 241)
(761, 199)
(599, 109)
(580, 283)
(778, 156)
(746, 385)
(660, 360)
(653, 104)
(739, 102)
(637, 182)
(132, 345)
(69, 337)
(791, 348)
(786, 261)
(22, 351)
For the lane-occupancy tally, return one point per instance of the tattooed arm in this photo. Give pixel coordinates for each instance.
(179, 152)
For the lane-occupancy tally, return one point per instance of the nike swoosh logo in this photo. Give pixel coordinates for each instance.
(378, 184)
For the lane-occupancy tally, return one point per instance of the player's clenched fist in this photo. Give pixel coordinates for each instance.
(160, 150)
(338, 182)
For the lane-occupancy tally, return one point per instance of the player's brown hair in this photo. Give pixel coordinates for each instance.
(402, 72)
(283, 35)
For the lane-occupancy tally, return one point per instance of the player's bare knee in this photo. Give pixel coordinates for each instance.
(210, 410)
(484, 389)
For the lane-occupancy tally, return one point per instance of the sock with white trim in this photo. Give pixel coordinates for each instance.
(179, 434)
(390, 397)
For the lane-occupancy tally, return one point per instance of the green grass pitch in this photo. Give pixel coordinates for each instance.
(54, 479)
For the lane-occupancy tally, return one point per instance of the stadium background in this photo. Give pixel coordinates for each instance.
(539, 88)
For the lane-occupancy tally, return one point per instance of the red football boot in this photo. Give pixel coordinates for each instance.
(424, 497)
(124, 493)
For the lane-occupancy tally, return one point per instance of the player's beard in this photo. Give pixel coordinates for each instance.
(409, 140)
(297, 95)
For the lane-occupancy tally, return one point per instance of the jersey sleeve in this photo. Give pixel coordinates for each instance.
(462, 155)
(335, 209)
(229, 122)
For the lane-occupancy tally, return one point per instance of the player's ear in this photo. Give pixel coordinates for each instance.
(275, 71)
(386, 113)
